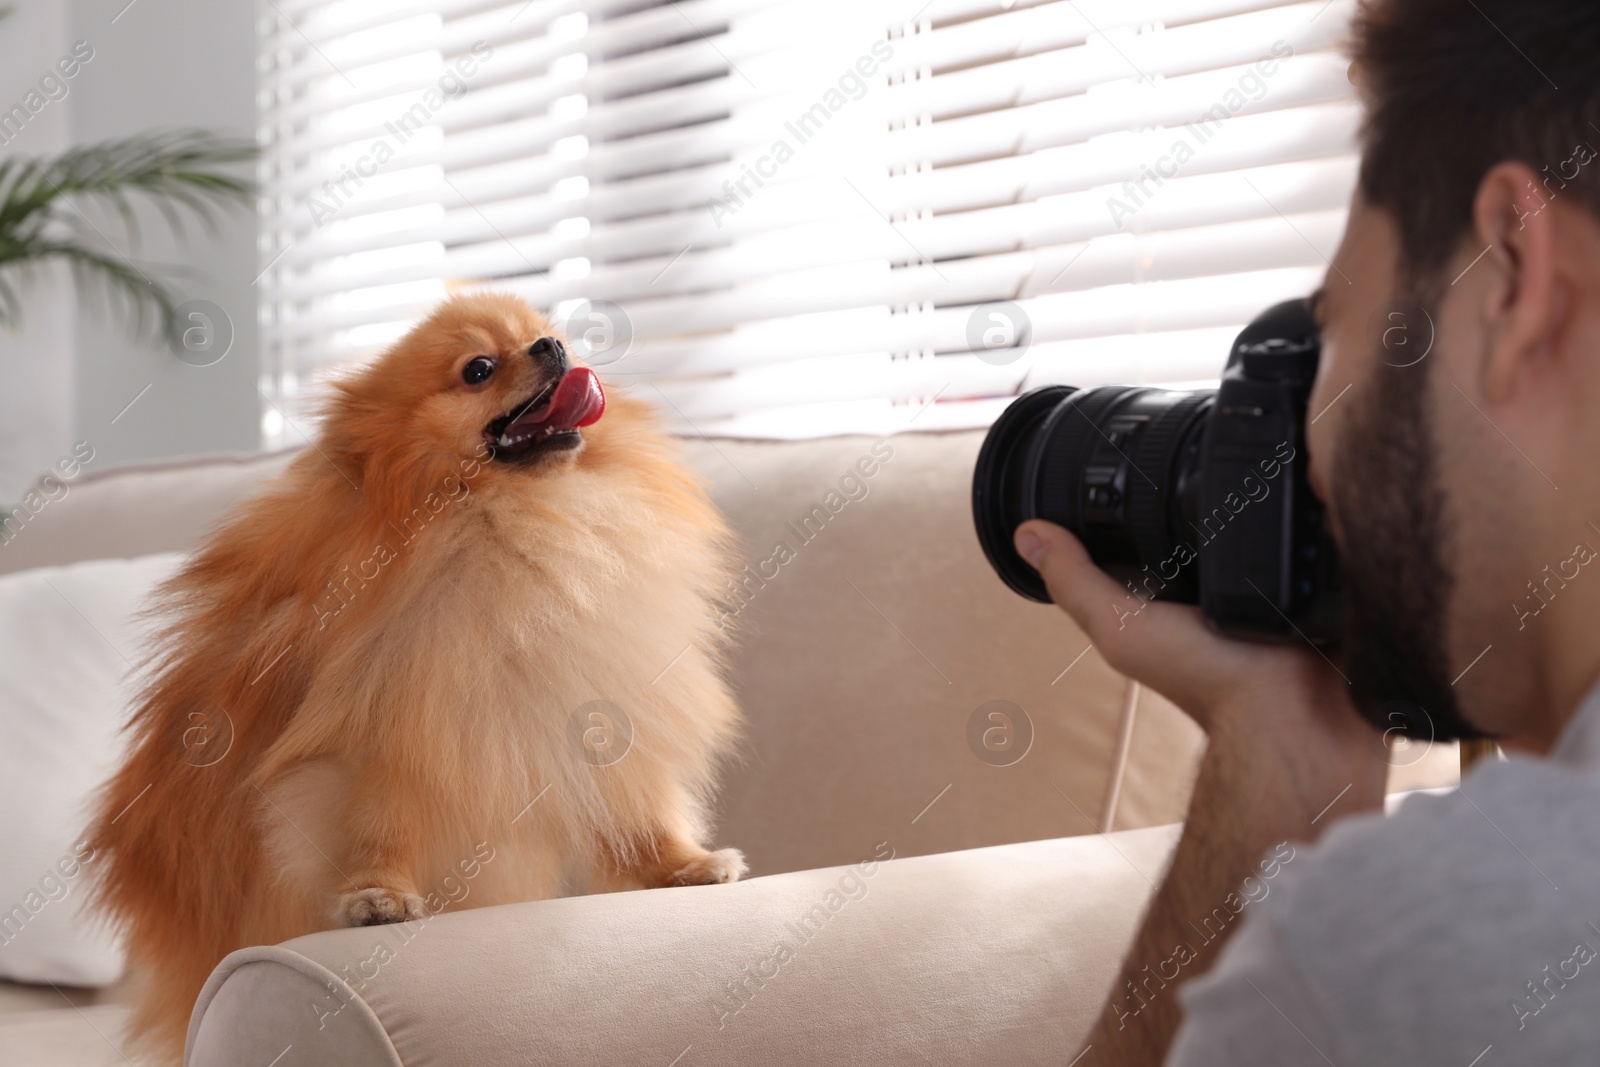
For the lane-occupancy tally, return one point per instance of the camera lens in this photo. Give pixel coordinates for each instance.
(1116, 465)
(1201, 497)
(997, 485)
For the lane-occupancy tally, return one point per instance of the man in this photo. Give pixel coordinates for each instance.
(1463, 488)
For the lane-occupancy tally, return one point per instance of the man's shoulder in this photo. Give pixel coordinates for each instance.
(1468, 906)
(1512, 826)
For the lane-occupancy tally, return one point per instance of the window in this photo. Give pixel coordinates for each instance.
(798, 217)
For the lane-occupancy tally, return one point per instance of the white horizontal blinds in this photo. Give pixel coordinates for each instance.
(349, 172)
(977, 167)
(363, 227)
(414, 148)
(790, 217)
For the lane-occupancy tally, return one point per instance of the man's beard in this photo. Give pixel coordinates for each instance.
(1396, 582)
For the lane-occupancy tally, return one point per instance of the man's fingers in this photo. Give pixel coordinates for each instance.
(1078, 587)
(1164, 645)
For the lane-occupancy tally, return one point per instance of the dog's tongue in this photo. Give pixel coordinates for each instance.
(577, 401)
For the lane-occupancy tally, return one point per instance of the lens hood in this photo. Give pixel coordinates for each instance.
(998, 504)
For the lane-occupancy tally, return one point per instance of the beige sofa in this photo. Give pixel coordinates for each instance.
(867, 668)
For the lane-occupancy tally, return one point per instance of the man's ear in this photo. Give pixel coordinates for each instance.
(1516, 222)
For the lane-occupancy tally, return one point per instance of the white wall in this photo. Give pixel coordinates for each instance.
(75, 368)
(36, 359)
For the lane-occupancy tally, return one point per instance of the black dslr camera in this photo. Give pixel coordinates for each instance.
(1194, 497)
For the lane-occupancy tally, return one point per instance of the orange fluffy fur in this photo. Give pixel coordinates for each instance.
(394, 712)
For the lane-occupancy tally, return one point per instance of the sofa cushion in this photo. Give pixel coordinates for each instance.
(71, 643)
(134, 510)
(873, 659)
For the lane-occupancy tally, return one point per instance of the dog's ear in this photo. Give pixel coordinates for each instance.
(348, 418)
(368, 431)
(335, 439)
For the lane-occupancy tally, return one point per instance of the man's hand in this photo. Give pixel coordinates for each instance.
(1287, 755)
(1283, 707)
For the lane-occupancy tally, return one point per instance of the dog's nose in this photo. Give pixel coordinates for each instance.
(549, 351)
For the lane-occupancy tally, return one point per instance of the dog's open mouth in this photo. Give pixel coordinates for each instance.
(550, 420)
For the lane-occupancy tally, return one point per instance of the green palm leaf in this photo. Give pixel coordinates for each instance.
(41, 219)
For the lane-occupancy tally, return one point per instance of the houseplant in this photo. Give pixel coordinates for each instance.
(181, 173)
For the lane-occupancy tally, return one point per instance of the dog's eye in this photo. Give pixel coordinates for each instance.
(477, 370)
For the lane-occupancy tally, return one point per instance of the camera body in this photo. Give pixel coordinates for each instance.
(1197, 497)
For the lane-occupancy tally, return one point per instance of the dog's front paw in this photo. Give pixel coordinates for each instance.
(713, 868)
(377, 906)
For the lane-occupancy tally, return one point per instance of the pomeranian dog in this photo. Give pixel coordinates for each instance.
(472, 629)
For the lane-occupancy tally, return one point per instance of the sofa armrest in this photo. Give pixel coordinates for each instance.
(993, 955)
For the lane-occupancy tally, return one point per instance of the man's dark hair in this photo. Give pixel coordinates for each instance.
(1453, 87)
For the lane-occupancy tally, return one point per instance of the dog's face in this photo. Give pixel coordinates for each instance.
(483, 379)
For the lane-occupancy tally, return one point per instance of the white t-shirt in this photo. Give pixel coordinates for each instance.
(1462, 931)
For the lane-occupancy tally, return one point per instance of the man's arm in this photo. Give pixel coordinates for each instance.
(1286, 755)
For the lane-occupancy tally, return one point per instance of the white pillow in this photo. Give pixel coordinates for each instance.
(67, 642)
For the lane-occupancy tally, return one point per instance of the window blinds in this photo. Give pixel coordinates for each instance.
(798, 217)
